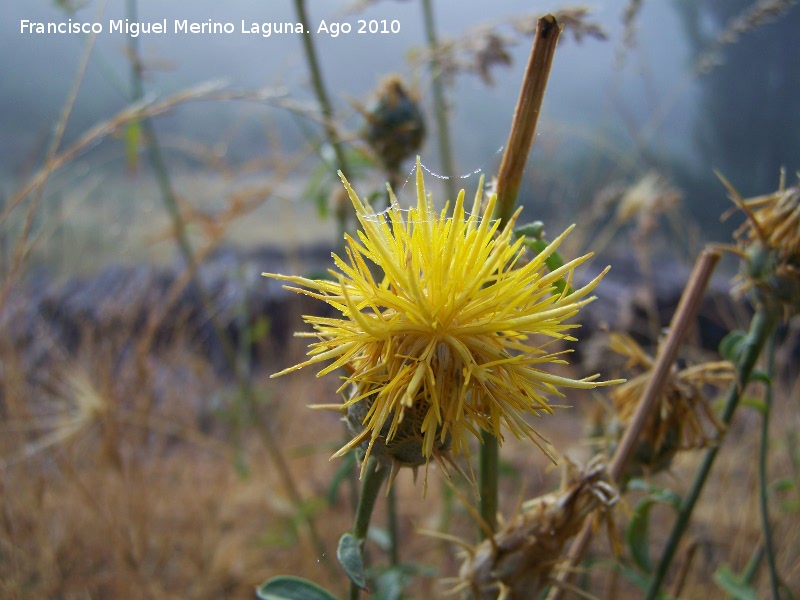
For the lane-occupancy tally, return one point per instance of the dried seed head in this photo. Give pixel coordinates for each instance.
(481, 49)
(490, 48)
(770, 240)
(643, 201)
(518, 561)
(683, 418)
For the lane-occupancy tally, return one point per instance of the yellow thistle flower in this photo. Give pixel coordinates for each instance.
(441, 331)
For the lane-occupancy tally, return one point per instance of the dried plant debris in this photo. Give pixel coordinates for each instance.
(519, 560)
(684, 419)
(629, 16)
(770, 240)
(575, 21)
(759, 14)
(481, 49)
(647, 198)
(489, 49)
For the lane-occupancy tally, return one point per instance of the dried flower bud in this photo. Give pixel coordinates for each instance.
(683, 417)
(770, 242)
(517, 562)
(395, 125)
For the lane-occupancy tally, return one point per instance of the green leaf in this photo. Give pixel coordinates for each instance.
(783, 484)
(756, 403)
(260, 329)
(380, 537)
(731, 345)
(553, 261)
(285, 587)
(532, 231)
(345, 468)
(390, 583)
(760, 376)
(350, 555)
(636, 534)
(668, 497)
(324, 179)
(790, 506)
(658, 494)
(387, 583)
(733, 585)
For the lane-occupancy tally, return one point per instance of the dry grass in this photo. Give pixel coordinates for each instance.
(141, 497)
(130, 470)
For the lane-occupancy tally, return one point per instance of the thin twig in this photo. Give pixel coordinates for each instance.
(144, 108)
(331, 133)
(679, 327)
(439, 102)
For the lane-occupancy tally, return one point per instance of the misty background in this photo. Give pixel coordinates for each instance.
(615, 109)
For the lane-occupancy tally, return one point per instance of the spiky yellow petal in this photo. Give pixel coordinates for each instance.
(442, 316)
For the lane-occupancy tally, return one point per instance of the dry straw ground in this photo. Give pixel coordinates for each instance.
(121, 480)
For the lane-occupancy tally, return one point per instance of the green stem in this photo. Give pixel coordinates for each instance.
(489, 462)
(394, 536)
(761, 327)
(751, 567)
(439, 102)
(762, 471)
(374, 474)
(448, 500)
(331, 134)
(520, 139)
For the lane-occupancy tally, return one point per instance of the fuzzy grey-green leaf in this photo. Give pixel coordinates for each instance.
(350, 556)
(285, 587)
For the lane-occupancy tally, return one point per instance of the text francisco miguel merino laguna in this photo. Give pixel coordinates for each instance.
(135, 28)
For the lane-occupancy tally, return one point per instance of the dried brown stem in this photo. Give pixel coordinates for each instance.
(684, 315)
(526, 115)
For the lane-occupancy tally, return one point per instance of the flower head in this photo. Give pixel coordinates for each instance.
(444, 327)
(684, 416)
(395, 125)
(770, 239)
